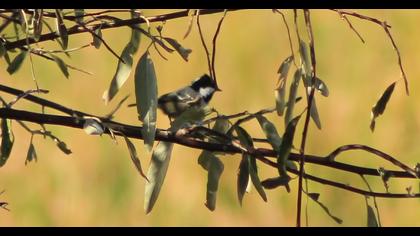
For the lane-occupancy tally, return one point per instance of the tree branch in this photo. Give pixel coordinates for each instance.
(77, 29)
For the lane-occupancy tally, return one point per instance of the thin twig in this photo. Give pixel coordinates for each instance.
(213, 55)
(374, 200)
(385, 156)
(385, 26)
(399, 56)
(308, 114)
(344, 17)
(26, 93)
(288, 34)
(204, 43)
(103, 41)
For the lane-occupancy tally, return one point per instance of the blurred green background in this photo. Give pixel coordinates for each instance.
(98, 185)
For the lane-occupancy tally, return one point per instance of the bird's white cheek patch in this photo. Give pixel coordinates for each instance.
(204, 92)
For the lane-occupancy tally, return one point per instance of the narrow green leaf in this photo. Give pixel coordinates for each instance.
(61, 29)
(321, 86)
(272, 183)
(135, 33)
(210, 162)
(2, 49)
(280, 92)
(215, 170)
(371, 218)
(37, 24)
(315, 197)
(123, 69)
(134, 157)
(306, 60)
(79, 13)
(156, 174)
(93, 127)
(7, 58)
(286, 146)
(7, 140)
(17, 62)
(31, 155)
(183, 52)
(62, 65)
(270, 132)
(244, 137)
(121, 75)
(379, 108)
(251, 164)
(96, 41)
(292, 96)
(204, 159)
(243, 178)
(253, 172)
(221, 126)
(63, 147)
(146, 98)
(315, 115)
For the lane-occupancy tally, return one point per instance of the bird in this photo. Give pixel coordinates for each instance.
(198, 94)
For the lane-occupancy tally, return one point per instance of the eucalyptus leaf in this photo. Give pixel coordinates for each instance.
(79, 13)
(121, 75)
(191, 13)
(371, 218)
(253, 172)
(243, 178)
(286, 146)
(221, 125)
(270, 132)
(96, 40)
(7, 140)
(61, 28)
(2, 49)
(161, 157)
(183, 52)
(37, 24)
(306, 60)
(379, 108)
(93, 127)
(146, 98)
(315, 198)
(156, 174)
(135, 33)
(321, 87)
(123, 67)
(210, 162)
(62, 65)
(292, 96)
(272, 183)
(244, 137)
(215, 170)
(134, 157)
(280, 92)
(17, 62)
(63, 147)
(314, 114)
(31, 155)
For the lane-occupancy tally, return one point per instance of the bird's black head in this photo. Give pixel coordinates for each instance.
(205, 81)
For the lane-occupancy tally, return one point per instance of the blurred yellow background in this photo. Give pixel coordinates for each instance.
(98, 185)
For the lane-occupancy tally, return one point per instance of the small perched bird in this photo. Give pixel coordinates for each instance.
(198, 94)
